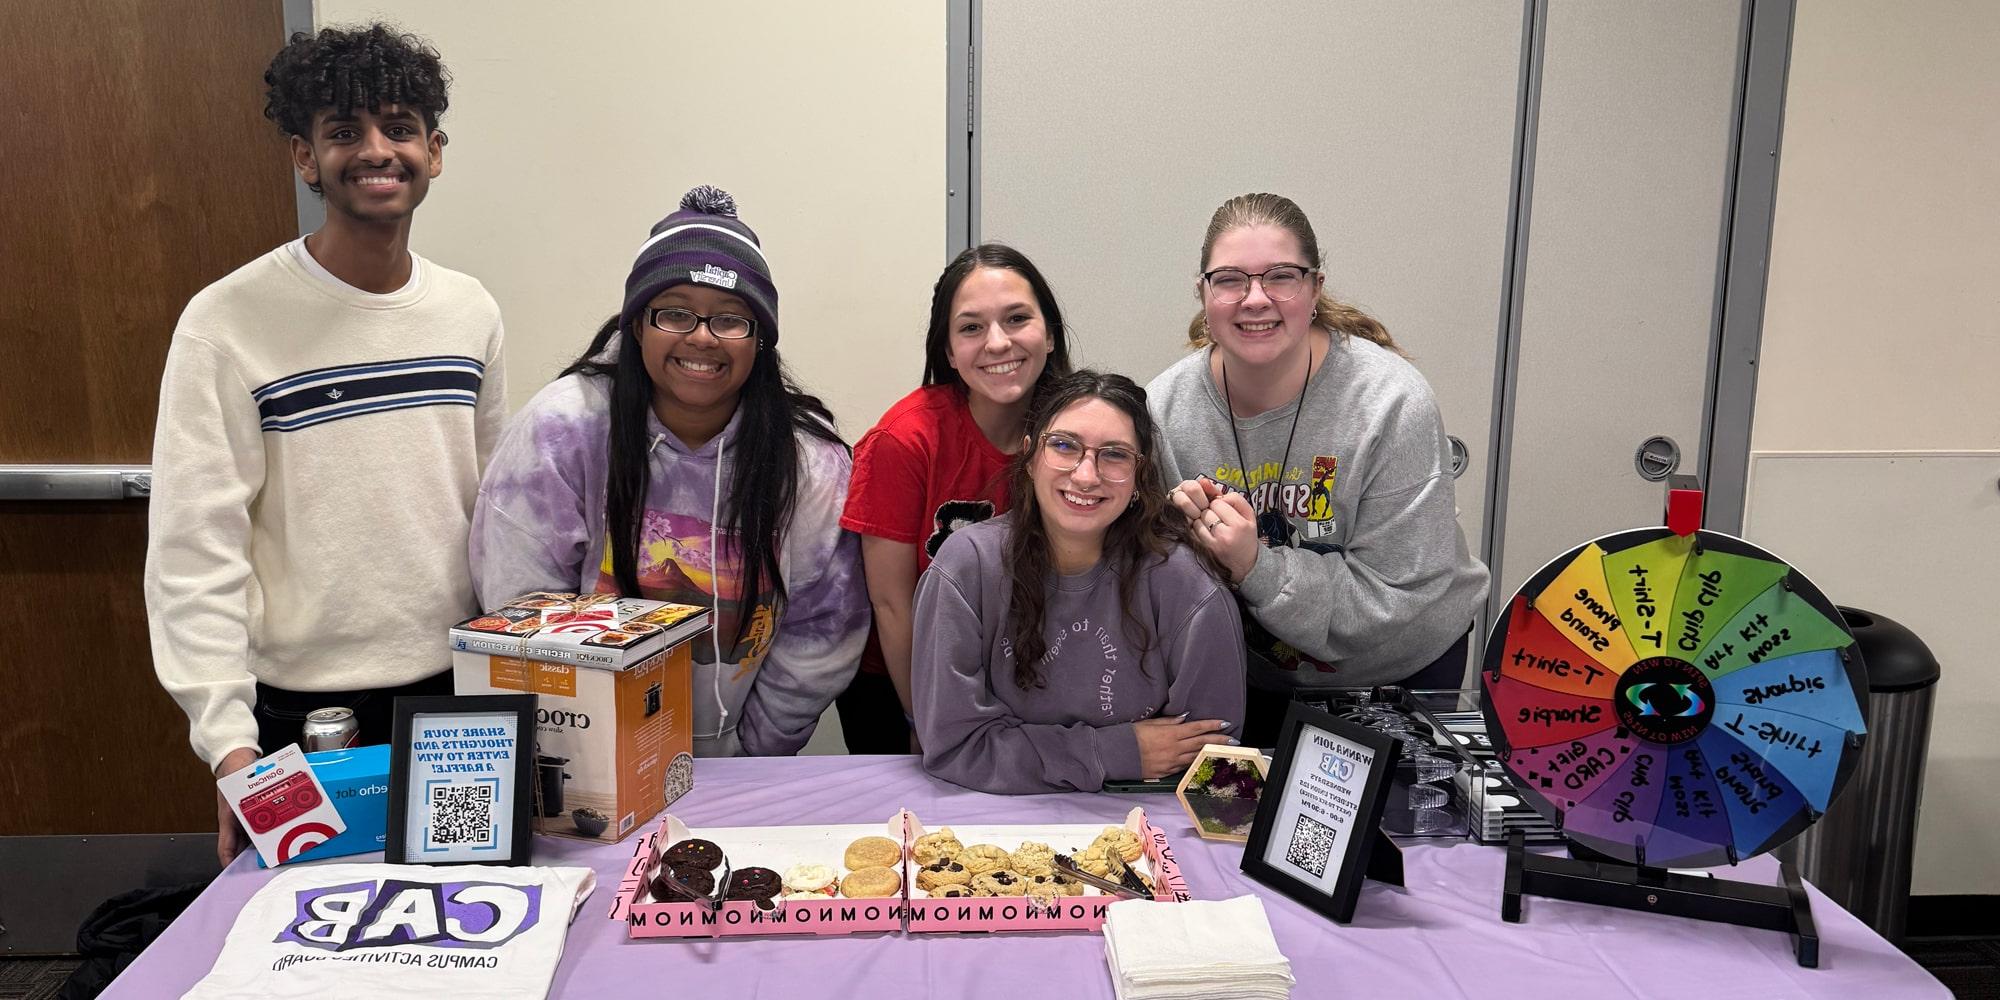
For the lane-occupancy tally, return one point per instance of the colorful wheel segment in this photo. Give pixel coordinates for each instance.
(1674, 701)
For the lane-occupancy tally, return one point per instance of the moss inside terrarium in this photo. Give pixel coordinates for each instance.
(1223, 795)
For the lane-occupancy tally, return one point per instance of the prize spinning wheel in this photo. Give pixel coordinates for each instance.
(1674, 701)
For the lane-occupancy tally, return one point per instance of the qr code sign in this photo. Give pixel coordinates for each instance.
(1312, 844)
(461, 815)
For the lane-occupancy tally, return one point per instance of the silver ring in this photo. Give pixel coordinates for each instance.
(1212, 522)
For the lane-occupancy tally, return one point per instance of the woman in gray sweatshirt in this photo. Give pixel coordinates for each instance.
(1313, 461)
(1077, 638)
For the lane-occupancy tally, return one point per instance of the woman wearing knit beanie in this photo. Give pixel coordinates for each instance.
(676, 460)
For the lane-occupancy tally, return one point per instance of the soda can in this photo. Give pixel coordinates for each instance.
(331, 729)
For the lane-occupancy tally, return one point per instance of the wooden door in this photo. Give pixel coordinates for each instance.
(136, 167)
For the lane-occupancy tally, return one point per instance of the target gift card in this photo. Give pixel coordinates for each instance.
(282, 805)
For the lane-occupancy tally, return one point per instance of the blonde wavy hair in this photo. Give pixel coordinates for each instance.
(1337, 318)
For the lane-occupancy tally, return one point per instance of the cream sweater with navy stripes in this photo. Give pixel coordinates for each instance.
(314, 469)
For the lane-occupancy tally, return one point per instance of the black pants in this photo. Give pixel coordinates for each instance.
(1264, 711)
(871, 716)
(281, 714)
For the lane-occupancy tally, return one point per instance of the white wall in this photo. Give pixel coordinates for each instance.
(575, 127)
(1882, 336)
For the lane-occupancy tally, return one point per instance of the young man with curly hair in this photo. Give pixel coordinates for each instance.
(324, 416)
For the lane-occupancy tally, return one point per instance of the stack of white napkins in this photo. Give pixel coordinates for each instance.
(1197, 949)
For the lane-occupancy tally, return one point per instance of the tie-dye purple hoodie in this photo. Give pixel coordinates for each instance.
(539, 525)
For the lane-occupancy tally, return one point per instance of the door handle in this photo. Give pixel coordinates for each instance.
(75, 482)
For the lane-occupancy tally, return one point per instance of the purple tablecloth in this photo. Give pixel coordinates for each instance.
(1441, 937)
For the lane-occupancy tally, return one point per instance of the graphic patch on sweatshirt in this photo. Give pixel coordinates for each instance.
(1320, 520)
(677, 563)
(1281, 496)
(953, 515)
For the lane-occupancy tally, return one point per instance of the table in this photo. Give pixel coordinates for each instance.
(1441, 937)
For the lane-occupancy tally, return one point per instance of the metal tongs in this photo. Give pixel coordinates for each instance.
(1127, 886)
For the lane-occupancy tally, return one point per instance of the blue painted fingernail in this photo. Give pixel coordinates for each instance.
(1226, 724)
(1233, 741)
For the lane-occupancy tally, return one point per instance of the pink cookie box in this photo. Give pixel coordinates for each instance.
(1017, 913)
(773, 847)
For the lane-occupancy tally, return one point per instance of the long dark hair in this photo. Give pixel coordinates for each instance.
(764, 487)
(1146, 533)
(937, 339)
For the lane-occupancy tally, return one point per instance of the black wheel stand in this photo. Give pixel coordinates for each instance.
(1656, 890)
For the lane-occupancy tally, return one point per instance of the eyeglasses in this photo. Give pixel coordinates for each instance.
(1230, 285)
(1115, 462)
(722, 326)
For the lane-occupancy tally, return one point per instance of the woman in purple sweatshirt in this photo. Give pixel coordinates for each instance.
(677, 461)
(1077, 638)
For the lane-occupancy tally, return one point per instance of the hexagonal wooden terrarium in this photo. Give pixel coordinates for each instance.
(1220, 791)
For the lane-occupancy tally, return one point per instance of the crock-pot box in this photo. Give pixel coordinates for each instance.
(614, 720)
(773, 847)
(1016, 913)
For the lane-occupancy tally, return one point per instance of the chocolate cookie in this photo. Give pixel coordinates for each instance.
(1047, 887)
(941, 874)
(1122, 842)
(982, 858)
(1034, 858)
(754, 883)
(695, 878)
(693, 854)
(998, 882)
(932, 848)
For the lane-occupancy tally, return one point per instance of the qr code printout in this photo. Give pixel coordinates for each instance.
(1312, 844)
(461, 815)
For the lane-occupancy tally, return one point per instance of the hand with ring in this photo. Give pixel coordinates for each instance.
(1224, 524)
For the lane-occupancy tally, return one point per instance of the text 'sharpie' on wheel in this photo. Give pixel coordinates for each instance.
(1674, 701)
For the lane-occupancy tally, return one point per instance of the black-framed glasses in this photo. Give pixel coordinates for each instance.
(722, 326)
(1115, 462)
(1282, 283)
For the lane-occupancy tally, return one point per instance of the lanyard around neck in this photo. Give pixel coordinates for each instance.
(1298, 407)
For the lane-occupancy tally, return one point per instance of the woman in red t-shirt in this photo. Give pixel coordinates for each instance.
(935, 462)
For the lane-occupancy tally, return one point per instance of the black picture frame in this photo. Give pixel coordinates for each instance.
(512, 811)
(1368, 852)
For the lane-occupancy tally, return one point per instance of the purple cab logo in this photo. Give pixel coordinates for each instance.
(393, 912)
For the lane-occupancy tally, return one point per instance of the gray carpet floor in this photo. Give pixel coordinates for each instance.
(33, 978)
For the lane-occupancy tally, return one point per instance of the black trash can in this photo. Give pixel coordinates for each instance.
(1861, 852)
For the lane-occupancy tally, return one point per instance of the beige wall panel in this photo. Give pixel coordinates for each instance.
(1882, 318)
(1110, 132)
(1882, 331)
(1913, 536)
(575, 127)
(1631, 157)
